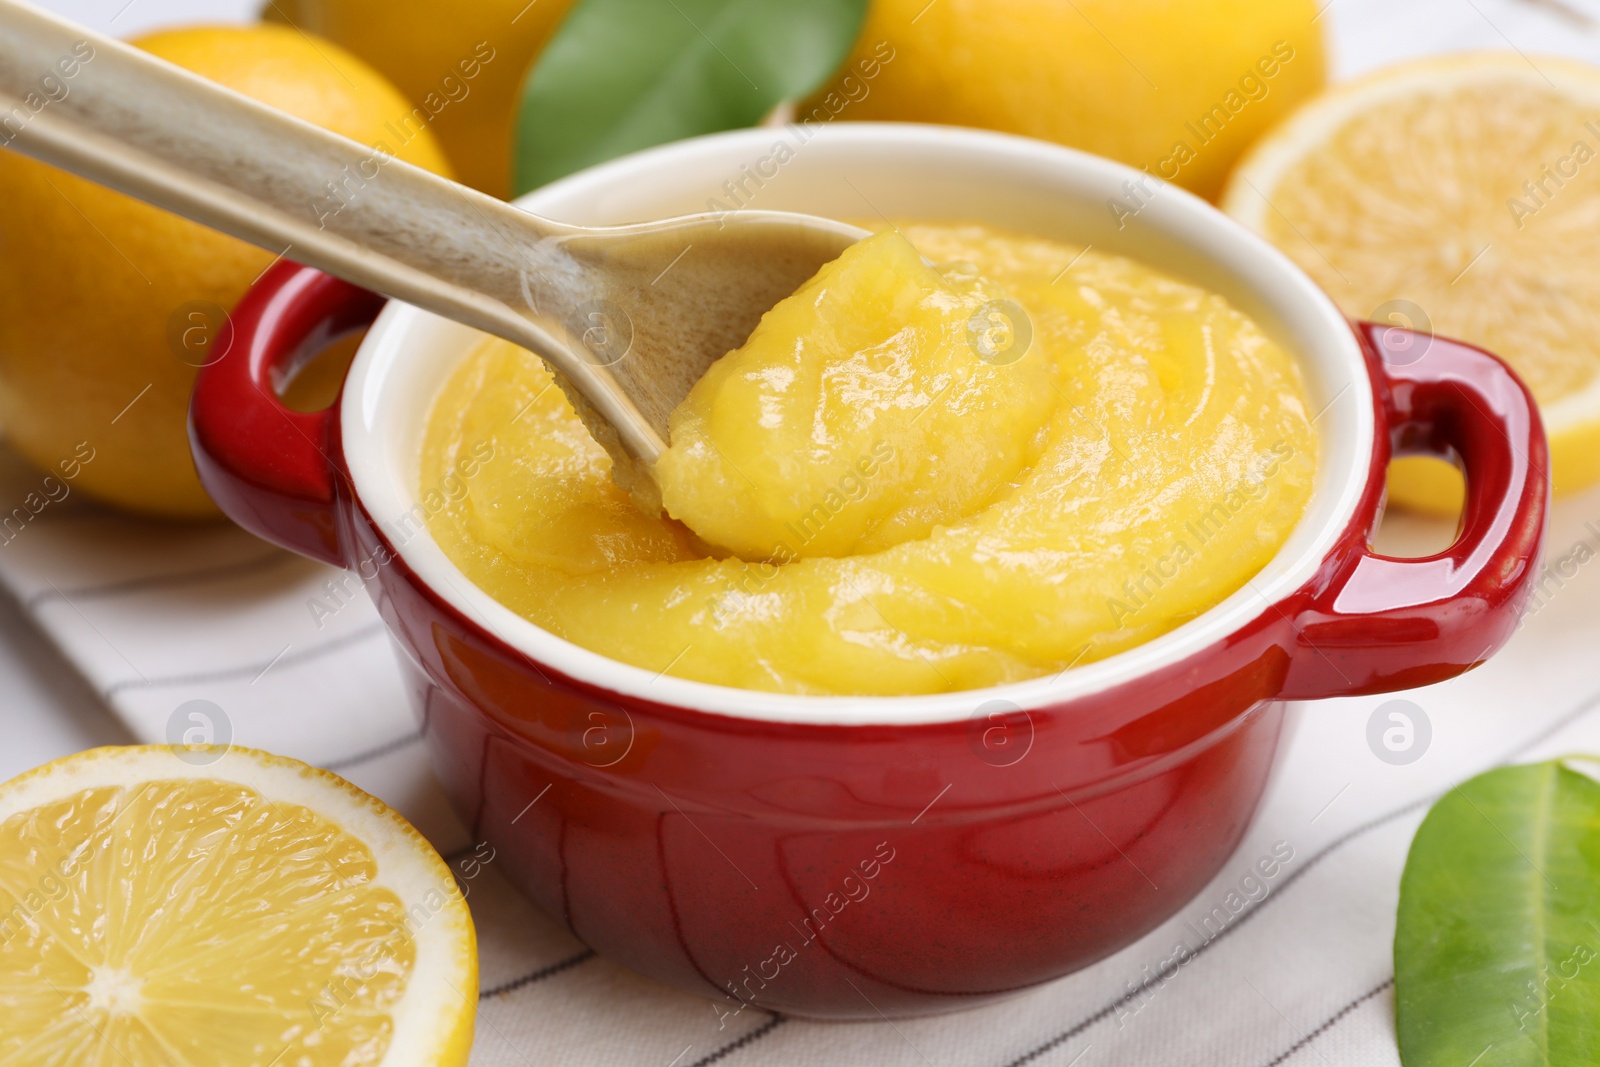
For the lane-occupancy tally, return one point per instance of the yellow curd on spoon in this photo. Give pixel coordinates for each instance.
(918, 479)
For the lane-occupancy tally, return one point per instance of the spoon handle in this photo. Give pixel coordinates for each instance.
(123, 118)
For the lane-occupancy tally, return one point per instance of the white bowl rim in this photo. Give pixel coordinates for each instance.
(1343, 479)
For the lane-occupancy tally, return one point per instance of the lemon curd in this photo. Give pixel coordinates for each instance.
(911, 479)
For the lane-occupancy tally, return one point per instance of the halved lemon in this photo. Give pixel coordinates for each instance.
(1460, 195)
(167, 907)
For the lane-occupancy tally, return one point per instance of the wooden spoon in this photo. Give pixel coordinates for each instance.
(627, 317)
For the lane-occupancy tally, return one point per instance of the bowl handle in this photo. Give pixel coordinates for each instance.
(1378, 623)
(269, 468)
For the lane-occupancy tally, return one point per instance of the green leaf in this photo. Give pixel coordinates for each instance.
(621, 75)
(1497, 942)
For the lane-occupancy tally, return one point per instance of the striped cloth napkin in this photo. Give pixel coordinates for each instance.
(169, 621)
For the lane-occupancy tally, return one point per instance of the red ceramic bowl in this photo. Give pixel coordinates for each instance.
(843, 857)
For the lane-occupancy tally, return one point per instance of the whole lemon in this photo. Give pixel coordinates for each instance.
(108, 305)
(463, 63)
(1179, 87)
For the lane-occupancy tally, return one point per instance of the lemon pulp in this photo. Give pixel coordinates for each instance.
(1454, 195)
(926, 510)
(193, 921)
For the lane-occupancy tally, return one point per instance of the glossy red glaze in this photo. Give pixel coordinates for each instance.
(270, 469)
(846, 870)
(1376, 624)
